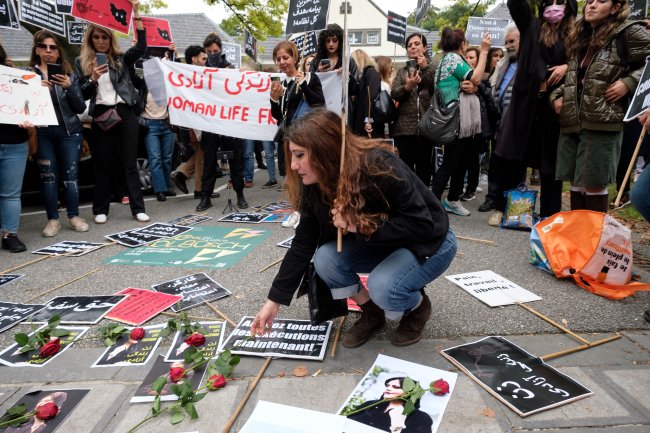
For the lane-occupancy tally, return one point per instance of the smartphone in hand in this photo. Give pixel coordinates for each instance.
(54, 69)
(411, 66)
(100, 59)
(326, 63)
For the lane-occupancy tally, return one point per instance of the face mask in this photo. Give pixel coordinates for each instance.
(214, 59)
(554, 13)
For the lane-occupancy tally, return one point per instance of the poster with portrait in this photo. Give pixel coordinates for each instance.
(385, 379)
(87, 310)
(130, 352)
(145, 393)
(195, 290)
(66, 400)
(13, 358)
(114, 14)
(213, 333)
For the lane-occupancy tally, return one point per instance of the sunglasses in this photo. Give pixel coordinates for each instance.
(46, 46)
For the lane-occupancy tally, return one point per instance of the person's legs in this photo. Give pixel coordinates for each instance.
(550, 200)
(259, 147)
(102, 151)
(127, 145)
(281, 163)
(640, 194)
(457, 181)
(46, 158)
(269, 154)
(199, 163)
(153, 144)
(209, 144)
(236, 168)
(68, 161)
(451, 160)
(406, 146)
(167, 141)
(248, 159)
(473, 163)
(423, 165)
(13, 158)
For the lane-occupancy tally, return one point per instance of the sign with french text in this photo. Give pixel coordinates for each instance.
(42, 13)
(23, 98)
(305, 15)
(13, 313)
(492, 288)
(141, 305)
(307, 43)
(396, 28)
(477, 26)
(13, 358)
(113, 14)
(86, 310)
(76, 32)
(523, 382)
(641, 99)
(63, 7)
(131, 352)
(250, 45)
(8, 17)
(159, 34)
(213, 333)
(195, 290)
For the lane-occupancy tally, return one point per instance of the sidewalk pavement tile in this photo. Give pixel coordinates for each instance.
(641, 338)
(609, 429)
(633, 382)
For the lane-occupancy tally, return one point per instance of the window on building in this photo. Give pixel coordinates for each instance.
(355, 37)
(364, 37)
(372, 37)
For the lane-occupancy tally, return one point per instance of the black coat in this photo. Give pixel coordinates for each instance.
(370, 82)
(286, 107)
(70, 102)
(417, 422)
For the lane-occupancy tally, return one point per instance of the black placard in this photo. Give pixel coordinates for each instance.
(190, 220)
(8, 278)
(305, 15)
(11, 313)
(250, 45)
(8, 18)
(477, 26)
(63, 6)
(421, 10)
(638, 9)
(132, 238)
(69, 248)
(523, 382)
(76, 31)
(245, 217)
(163, 230)
(78, 309)
(213, 333)
(641, 100)
(65, 399)
(306, 45)
(42, 13)
(396, 28)
(195, 289)
(145, 393)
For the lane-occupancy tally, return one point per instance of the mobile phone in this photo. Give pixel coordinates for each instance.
(100, 59)
(325, 62)
(412, 66)
(275, 78)
(170, 54)
(54, 69)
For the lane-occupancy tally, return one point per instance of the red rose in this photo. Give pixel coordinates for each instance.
(439, 387)
(51, 348)
(136, 334)
(196, 339)
(216, 381)
(46, 411)
(176, 373)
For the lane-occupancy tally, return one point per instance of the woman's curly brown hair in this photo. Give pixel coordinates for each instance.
(583, 35)
(319, 132)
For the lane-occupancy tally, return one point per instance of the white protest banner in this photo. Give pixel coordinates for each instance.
(23, 98)
(223, 101)
(492, 288)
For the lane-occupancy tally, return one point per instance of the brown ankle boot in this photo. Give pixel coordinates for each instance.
(598, 203)
(372, 319)
(411, 326)
(577, 200)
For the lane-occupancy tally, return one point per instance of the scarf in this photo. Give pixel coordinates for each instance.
(470, 115)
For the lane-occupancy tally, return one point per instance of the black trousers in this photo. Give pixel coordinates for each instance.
(121, 141)
(455, 163)
(416, 152)
(473, 162)
(506, 174)
(211, 144)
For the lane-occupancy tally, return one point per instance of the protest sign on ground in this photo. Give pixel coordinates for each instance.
(190, 220)
(8, 278)
(132, 238)
(281, 206)
(163, 230)
(130, 352)
(213, 340)
(277, 217)
(141, 305)
(145, 393)
(285, 243)
(69, 248)
(244, 217)
(114, 14)
(12, 358)
(23, 98)
(195, 290)
(305, 15)
(14, 313)
(42, 13)
(492, 288)
(87, 310)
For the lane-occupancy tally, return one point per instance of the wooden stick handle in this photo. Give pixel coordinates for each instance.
(483, 241)
(64, 284)
(249, 391)
(554, 323)
(270, 265)
(337, 336)
(24, 265)
(223, 316)
(579, 348)
(629, 168)
(167, 313)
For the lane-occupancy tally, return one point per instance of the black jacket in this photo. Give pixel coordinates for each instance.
(121, 78)
(70, 102)
(286, 107)
(416, 220)
(370, 81)
(375, 416)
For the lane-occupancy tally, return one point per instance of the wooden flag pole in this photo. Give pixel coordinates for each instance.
(483, 241)
(579, 348)
(337, 336)
(629, 168)
(62, 285)
(223, 316)
(554, 323)
(24, 265)
(344, 109)
(271, 265)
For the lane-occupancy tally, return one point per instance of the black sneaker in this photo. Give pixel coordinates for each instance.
(487, 205)
(13, 244)
(204, 204)
(270, 184)
(170, 193)
(468, 196)
(241, 202)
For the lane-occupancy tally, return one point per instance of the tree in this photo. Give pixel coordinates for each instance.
(146, 6)
(262, 18)
(454, 15)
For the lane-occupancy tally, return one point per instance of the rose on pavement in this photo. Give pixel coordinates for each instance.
(51, 348)
(196, 339)
(216, 381)
(176, 374)
(136, 334)
(46, 411)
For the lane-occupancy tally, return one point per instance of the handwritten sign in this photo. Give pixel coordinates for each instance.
(306, 45)
(76, 32)
(524, 383)
(163, 230)
(23, 98)
(78, 309)
(132, 238)
(141, 305)
(42, 13)
(69, 248)
(129, 352)
(213, 333)
(8, 17)
(477, 26)
(641, 100)
(396, 28)
(195, 290)
(250, 45)
(12, 358)
(288, 339)
(12, 313)
(114, 14)
(245, 217)
(63, 7)
(492, 288)
(306, 15)
(638, 9)
(159, 34)
(8, 278)
(233, 53)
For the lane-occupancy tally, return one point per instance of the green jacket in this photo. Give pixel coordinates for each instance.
(591, 111)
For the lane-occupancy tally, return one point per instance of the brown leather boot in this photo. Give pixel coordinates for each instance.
(411, 326)
(598, 203)
(372, 319)
(577, 200)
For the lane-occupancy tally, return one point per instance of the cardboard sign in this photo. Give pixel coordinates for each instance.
(190, 220)
(233, 53)
(306, 15)
(8, 17)
(129, 352)
(195, 290)
(421, 10)
(42, 13)
(286, 243)
(244, 217)
(641, 100)
(8, 278)
(71, 397)
(163, 230)
(22, 97)
(396, 28)
(524, 383)
(141, 305)
(13, 313)
(477, 26)
(250, 45)
(145, 393)
(76, 32)
(426, 417)
(87, 310)
(69, 248)
(638, 9)
(113, 14)
(282, 206)
(63, 7)
(288, 339)
(132, 238)
(213, 340)
(203, 247)
(306, 45)
(159, 34)
(12, 358)
(277, 217)
(492, 288)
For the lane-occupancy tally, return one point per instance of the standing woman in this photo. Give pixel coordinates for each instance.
(59, 146)
(494, 55)
(110, 90)
(591, 104)
(385, 68)
(369, 87)
(412, 89)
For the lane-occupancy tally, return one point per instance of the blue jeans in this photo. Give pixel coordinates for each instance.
(249, 160)
(640, 194)
(269, 155)
(159, 142)
(13, 158)
(58, 159)
(396, 274)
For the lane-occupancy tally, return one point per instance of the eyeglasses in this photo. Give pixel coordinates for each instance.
(510, 41)
(102, 37)
(46, 46)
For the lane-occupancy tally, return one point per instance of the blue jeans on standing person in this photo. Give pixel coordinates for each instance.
(396, 275)
(640, 194)
(269, 155)
(159, 142)
(249, 160)
(13, 158)
(58, 160)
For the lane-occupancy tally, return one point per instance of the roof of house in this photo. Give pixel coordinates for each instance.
(500, 11)
(17, 43)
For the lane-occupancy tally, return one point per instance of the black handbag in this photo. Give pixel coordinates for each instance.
(108, 120)
(322, 306)
(441, 122)
(384, 110)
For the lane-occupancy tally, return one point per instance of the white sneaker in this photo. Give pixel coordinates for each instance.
(455, 207)
(100, 218)
(293, 220)
(496, 218)
(479, 189)
(78, 224)
(142, 217)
